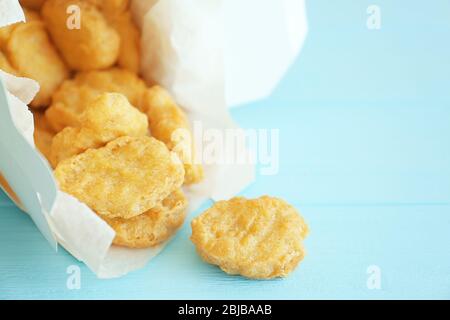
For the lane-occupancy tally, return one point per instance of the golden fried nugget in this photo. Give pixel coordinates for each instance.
(124, 179)
(119, 17)
(260, 238)
(5, 65)
(92, 45)
(73, 96)
(113, 116)
(43, 134)
(31, 53)
(130, 38)
(69, 102)
(106, 118)
(116, 80)
(73, 141)
(31, 15)
(169, 124)
(152, 227)
(32, 4)
(111, 7)
(5, 32)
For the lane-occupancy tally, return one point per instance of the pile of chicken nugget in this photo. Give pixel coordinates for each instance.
(118, 145)
(125, 149)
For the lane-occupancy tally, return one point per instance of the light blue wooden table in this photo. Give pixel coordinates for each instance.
(364, 119)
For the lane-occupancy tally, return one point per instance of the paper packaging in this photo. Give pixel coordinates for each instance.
(198, 50)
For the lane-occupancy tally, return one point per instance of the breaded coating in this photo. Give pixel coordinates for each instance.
(31, 53)
(43, 134)
(5, 65)
(124, 179)
(111, 7)
(259, 239)
(32, 4)
(73, 141)
(40, 121)
(169, 124)
(130, 38)
(106, 118)
(152, 227)
(31, 15)
(113, 116)
(5, 32)
(69, 102)
(73, 96)
(116, 80)
(94, 45)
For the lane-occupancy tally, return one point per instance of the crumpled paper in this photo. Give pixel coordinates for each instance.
(183, 49)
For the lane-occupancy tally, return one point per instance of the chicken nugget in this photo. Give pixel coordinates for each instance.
(31, 15)
(41, 122)
(5, 32)
(31, 53)
(43, 134)
(152, 227)
(130, 38)
(169, 124)
(113, 116)
(106, 118)
(5, 65)
(73, 96)
(259, 239)
(32, 4)
(73, 141)
(124, 179)
(92, 45)
(69, 102)
(116, 80)
(111, 7)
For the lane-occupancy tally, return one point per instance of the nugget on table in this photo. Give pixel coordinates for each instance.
(257, 238)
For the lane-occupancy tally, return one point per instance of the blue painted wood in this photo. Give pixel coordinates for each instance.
(364, 154)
